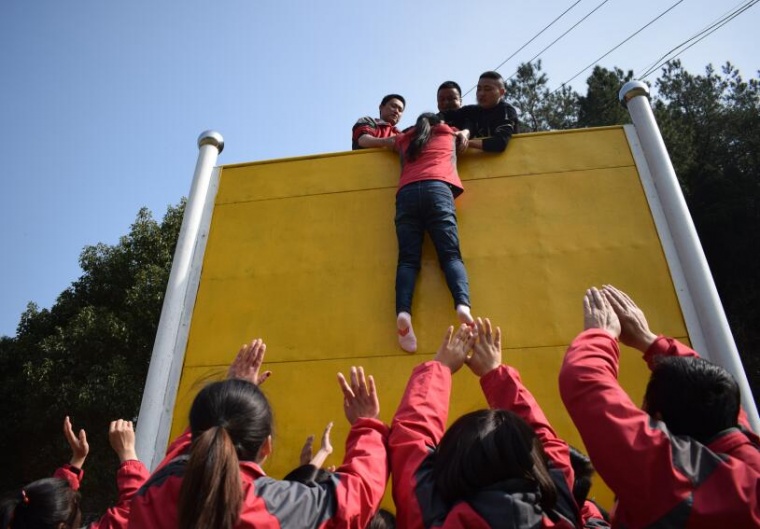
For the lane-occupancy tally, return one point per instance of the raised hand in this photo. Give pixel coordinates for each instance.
(360, 396)
(598, 313)
(78, 444)
(486, 353)
(247, 363)
(453, 351)
(121, 435)
(634, 329)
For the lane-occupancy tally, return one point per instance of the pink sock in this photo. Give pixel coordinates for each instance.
(406, 338)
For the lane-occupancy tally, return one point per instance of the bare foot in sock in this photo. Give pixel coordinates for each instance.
(406, 338)
(463, 313)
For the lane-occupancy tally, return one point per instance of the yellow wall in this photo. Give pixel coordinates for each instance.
(302, 252)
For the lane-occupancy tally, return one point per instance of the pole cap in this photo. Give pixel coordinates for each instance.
(211, 137)
(632, 89)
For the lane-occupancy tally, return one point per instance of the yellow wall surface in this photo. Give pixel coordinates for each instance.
(302, 252)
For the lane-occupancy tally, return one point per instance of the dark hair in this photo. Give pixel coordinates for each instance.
(230, 421)
(451, 84)
(496, 76)
(382, 520)
(694, 397)
(392, 96)
(486, 447)
(43, 504)
(583, 470)
(421, 134)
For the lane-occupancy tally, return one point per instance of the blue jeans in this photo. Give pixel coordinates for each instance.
(423, 206)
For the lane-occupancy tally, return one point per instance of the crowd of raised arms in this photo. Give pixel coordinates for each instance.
(685, 458)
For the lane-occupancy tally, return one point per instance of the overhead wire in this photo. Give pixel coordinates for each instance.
(642, 28)
(531, 40)
(699, 36)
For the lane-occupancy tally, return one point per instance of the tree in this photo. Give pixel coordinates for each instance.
(600, 106)
(541, 109)
(711, 126)
(87, 356)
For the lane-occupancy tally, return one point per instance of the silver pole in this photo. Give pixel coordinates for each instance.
(163, 375)
(718, 342)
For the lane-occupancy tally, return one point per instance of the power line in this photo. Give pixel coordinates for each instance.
(655, 19)
(699, 36)
(531, 40)
(561, 36)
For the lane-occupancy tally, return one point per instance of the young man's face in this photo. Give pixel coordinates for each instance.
(392, 111)
(489, 92)
(449, 99)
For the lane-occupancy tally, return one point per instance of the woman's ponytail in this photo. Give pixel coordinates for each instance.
(422, 133)
(211, 494)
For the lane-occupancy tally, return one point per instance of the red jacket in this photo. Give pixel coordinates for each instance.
(660, 479)
(129, 477)
(438, 160)
(418, 427)
(375, 127)
(350, 499)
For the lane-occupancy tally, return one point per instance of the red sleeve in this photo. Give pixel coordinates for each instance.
(364, 126)
(363, 474)
(503, 389)
(71, 474)
(129, 478)
(417, 428)
(632, 454)
(664, 346)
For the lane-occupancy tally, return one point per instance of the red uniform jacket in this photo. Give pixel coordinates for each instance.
(349, 500)
(660, 479)
(418, 427)
(129, 477)
(438, 160)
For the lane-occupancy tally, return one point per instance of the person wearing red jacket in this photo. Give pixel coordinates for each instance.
(499, 468)
(212, 474)
(428, 185)
(686, 458)
(54, 503)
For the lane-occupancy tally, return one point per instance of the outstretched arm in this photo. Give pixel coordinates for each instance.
(131, 475)
(504, 389)
(364, 472)
(419, 424)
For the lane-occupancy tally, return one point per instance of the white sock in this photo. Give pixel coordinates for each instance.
(463, 313)
(406, 338)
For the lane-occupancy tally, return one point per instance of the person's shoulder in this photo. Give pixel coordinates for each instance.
(508, 109)
(367, 121)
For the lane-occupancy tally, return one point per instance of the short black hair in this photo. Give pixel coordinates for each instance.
(382, 520)
(693, 396)
(393, 96)
(496, 76)
(451, 84)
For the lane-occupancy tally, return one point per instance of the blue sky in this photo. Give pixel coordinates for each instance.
(101, 103)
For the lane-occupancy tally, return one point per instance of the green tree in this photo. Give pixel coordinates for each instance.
(600, 106)
(541, 108)
(86, 357)
(711, 126)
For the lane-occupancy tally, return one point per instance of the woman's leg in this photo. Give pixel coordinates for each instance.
(441, 223)
(410, 233)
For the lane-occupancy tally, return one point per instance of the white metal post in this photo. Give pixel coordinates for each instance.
(713, 339)
(169, 348)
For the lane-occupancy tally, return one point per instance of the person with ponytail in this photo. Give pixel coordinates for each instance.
(427, 188)
(54, 503)
(212, 475)
(501, 467)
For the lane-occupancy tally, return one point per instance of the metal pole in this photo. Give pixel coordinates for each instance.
(160, 386)
(719, 345)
